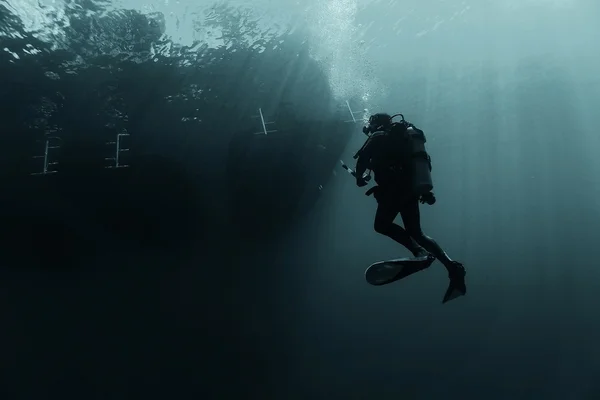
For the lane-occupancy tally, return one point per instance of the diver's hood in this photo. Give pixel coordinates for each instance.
(378, 121)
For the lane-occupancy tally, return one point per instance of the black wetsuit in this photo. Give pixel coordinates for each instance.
(386, 154)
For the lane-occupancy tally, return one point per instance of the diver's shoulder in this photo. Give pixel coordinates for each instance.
(379, 135)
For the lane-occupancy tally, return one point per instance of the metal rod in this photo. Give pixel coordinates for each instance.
(262, 120)
(45, 169)
(46, 157)
(117, 152)
(350, 109)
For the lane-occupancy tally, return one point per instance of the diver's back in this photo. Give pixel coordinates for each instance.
(390, 166)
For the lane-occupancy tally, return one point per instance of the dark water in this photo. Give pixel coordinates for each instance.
(225, 263)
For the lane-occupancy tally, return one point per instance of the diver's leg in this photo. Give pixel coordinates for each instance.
(456, 271)
(411, 217)
(384, 224)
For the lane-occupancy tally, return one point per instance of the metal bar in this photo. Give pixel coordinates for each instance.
(351, 113)
(117, 152)
(262, 119)
(264, 124)
(46, 158)
(45, 169)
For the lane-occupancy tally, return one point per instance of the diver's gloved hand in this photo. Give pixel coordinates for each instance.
(360, 181)
(428, 198)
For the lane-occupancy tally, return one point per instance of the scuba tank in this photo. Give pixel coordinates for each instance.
(419, 163)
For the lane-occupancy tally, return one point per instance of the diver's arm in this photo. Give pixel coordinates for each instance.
(362, 164)
(364, 157)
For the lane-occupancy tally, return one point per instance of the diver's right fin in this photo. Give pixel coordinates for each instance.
(457, 286)
(453, 292)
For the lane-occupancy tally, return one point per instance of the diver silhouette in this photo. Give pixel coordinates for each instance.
(395, 153)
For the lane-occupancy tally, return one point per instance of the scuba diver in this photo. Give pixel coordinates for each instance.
(395, 153)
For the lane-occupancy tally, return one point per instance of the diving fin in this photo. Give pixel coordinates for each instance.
(384, 272)
(457, 286)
